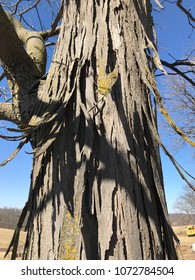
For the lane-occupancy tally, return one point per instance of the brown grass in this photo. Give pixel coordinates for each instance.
(184, 250)
(5, 238)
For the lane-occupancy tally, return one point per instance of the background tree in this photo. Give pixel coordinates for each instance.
(178, 96)
(178, 89)
(185, 203)
(9, 217)
(93, 131)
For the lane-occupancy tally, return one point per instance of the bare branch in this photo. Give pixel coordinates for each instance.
(21, 144)
(179, 168)
(183, 62)
(173, 68)
(187, 12)
(171, 73)
(57, 19)
(49, 33)
(181, 103)
(15, 6)
(29, 8)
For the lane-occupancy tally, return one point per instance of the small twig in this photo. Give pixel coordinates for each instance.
(29, 8)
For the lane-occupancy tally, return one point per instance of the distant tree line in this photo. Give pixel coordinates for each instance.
(9, 217)
(181, 219)
(185, 203)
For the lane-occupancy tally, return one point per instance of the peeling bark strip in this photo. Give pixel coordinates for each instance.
(97, 188)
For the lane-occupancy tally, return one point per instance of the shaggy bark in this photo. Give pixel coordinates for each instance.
(97, 187)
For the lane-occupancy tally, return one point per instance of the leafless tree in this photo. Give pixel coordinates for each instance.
(178, 96)
(185, 203)
(96, 186)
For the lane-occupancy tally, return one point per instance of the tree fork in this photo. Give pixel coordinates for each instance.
(22, 66)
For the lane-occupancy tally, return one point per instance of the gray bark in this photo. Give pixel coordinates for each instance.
(97, 187)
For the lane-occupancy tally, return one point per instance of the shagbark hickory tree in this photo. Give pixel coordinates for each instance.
(96, 186)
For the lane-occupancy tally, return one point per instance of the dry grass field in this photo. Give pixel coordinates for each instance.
(185, 250)
(5, 238)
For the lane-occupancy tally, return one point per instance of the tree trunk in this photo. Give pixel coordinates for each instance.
(97, 187)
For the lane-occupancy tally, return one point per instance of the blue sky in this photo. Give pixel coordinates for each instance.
(173, 37)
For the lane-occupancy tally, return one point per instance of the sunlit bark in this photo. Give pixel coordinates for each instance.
(97, 189)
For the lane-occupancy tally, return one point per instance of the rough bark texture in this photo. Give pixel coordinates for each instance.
(22, 66)
(97, 188)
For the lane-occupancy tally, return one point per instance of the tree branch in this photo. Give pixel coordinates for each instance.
(55, 30)
(22, 66)
(183, 62)
(189, 15)
(16, 151)
(173, 68)
(33, 42)
(7, 114)
(175, 74)
(49, 33)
